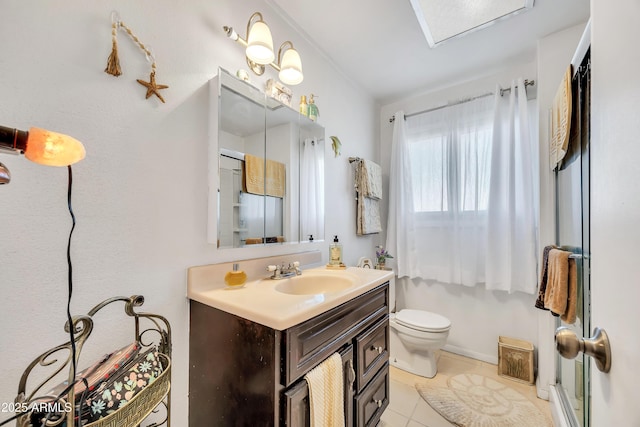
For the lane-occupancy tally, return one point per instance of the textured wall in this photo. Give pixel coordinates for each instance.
(140, 196)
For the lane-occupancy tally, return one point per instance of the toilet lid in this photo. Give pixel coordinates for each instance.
(423, 320)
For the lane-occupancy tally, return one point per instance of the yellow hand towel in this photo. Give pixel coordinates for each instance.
(555, 298)
(253, 174)
(326, 393)
(276, 175)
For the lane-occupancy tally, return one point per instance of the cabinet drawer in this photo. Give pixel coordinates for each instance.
(372, 351)
(373, 400)
(307, 344)
(296, 411)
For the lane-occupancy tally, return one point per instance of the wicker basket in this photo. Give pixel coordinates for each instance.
(515, 359)
(141, 405)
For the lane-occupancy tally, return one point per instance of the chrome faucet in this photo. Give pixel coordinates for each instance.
(284, 272)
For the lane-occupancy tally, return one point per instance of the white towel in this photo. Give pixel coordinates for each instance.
(370, 178)
(368, 220)
(326, 393)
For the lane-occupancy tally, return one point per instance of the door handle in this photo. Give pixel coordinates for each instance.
(569, 345)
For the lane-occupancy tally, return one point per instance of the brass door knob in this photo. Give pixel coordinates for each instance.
(569, 345)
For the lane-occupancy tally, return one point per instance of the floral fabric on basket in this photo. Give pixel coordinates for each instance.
(122, 387)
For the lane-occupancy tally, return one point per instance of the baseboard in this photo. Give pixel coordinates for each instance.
(560, 419)
(472, 354)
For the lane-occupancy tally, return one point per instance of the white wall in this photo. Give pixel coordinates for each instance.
(478, 316)
(615, 208)
(140, 196)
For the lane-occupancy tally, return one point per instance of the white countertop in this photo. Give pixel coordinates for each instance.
(260, 302)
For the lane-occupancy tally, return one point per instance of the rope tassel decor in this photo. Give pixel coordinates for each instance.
(113, 62)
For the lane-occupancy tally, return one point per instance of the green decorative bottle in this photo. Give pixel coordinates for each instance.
(313, 109)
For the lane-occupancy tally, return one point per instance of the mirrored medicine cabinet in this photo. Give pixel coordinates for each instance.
(266, 169)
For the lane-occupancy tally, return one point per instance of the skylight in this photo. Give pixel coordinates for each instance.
(442, 20)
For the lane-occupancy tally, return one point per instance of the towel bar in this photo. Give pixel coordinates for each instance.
(580, 256)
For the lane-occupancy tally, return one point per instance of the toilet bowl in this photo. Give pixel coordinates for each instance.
(415, 336)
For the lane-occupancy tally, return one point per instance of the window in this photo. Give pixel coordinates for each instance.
(451, 158)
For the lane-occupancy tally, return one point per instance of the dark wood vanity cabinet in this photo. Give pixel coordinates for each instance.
(242, 373)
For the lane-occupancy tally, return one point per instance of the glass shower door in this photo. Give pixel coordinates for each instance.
(572, 234)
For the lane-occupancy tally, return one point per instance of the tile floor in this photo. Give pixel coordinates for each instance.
(407, 409)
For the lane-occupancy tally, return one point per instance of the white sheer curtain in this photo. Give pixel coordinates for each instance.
(400, 222)
(450, 151)
(449, 184)
(512, 249)
(311, 189)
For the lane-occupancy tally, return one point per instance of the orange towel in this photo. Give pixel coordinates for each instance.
(569, 315)
(557, 293)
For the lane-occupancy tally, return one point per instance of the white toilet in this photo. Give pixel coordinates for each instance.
(415, 335)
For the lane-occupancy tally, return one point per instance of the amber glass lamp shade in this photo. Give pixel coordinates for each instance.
(52, 148)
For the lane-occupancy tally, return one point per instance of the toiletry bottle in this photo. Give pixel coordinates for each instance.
(304, 108)
(335, 252)
(313, 109)
(235, 278)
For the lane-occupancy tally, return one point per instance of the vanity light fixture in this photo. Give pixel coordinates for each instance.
(259, 41)
(259, 51)
(40, 146)
(290, 65)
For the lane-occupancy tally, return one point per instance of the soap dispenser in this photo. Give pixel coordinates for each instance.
(304, 108)
(313, 109)
(335, 252)
(236, 278)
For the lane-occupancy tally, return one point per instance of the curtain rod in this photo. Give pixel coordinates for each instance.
(462, 101)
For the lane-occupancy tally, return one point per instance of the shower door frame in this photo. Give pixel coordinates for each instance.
(578, 417)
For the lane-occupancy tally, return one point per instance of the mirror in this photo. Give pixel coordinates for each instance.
(266, 169)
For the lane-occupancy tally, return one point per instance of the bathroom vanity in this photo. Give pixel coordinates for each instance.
(248, 373)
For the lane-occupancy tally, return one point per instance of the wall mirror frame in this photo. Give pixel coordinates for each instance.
(266, 171)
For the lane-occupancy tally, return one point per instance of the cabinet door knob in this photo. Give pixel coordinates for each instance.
(378, 349)
(377, 402)
(569, 345)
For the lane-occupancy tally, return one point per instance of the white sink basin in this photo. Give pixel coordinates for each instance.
(314, 284)
(281, 304)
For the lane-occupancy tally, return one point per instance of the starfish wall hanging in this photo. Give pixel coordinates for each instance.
(113, 62)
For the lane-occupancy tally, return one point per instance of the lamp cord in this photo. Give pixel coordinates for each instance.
(69, 318)
(70, 277)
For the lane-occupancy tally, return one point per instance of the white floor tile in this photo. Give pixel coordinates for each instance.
(391, 418)
(427, 416)
(403, 397)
